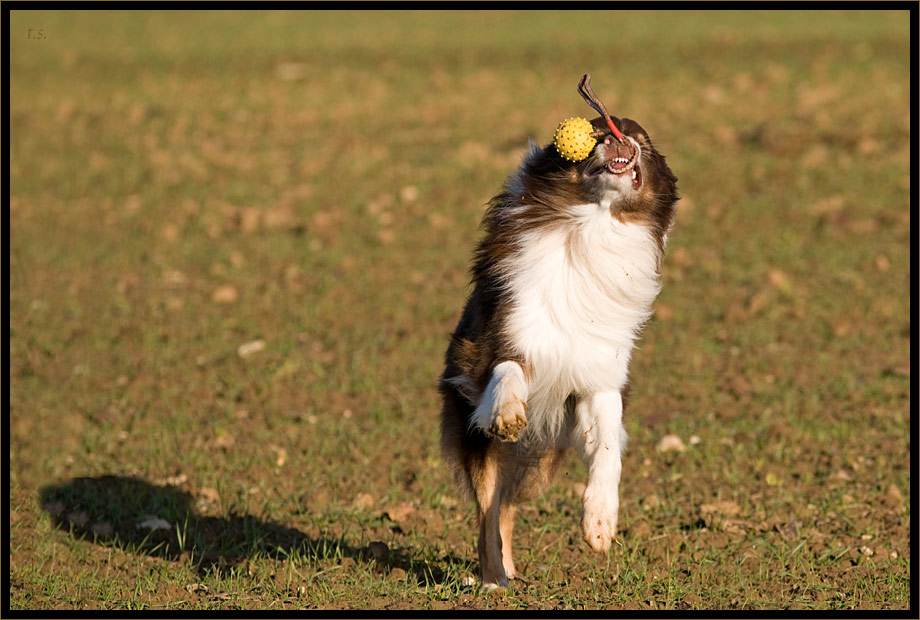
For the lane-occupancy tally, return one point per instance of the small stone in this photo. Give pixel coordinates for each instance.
(208, 495)
(225, 294)
(449, 502)
(247, 349)
(363, 500)
(224, 440)
(177, 480)
(409, 193)
(671, 443)
(724, 508)
(154, 523)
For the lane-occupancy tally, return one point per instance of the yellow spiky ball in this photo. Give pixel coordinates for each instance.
(573, 138)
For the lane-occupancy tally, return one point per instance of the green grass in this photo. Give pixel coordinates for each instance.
(181, 185)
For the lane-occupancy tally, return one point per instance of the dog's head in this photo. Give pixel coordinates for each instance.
(629, 177)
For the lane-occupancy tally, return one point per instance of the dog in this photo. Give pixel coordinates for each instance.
(563, 283)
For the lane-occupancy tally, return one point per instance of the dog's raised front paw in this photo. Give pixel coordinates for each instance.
(509, 420)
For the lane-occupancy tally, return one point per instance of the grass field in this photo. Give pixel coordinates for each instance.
(238, 243)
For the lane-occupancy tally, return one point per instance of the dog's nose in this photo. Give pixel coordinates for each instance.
(613, 149)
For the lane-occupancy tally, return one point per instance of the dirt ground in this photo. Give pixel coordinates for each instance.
(239, 243)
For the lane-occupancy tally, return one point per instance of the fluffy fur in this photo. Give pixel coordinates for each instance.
(564, 281)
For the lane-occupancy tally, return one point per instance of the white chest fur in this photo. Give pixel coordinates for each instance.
(580, 294)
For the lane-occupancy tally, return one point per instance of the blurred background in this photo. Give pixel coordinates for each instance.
(239, 241)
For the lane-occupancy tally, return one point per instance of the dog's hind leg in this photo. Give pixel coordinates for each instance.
(486, 479)
(506, 526)
(526, 474)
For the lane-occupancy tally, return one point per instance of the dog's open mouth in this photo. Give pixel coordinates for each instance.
(620, 159)
(624, 165)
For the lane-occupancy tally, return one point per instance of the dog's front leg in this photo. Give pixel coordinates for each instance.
(600, 434)
(502, 409)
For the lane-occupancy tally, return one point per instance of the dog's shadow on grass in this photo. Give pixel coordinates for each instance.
(138, 517)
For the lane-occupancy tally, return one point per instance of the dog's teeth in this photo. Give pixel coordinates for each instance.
(634, 174)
